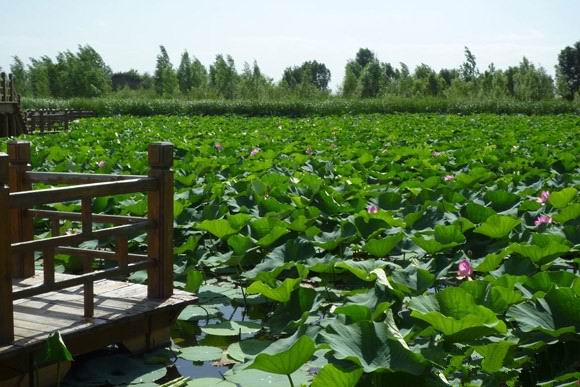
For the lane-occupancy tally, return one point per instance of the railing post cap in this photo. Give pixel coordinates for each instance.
(19, 151)
(161, 154)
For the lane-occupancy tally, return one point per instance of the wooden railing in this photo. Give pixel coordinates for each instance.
(7, 89)
(17, 243)
(52, 120)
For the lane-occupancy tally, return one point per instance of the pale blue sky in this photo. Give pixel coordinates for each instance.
(279, 33)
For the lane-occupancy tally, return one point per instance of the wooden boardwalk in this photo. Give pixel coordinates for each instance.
(115, 302)
(94, 309)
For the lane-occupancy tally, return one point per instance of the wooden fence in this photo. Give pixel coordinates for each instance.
(45, 121)
(17, 243)
(11, 120)
(7, 89)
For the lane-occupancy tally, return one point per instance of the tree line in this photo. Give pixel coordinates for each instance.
(85, 74)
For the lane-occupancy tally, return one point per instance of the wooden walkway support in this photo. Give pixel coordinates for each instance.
(11, 121)
(96, 308)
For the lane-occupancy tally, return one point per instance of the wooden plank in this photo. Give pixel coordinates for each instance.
(78, 192)
(77, 280)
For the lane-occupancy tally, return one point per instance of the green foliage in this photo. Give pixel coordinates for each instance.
(342, 230)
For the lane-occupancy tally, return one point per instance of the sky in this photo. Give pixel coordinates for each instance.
(281, 33)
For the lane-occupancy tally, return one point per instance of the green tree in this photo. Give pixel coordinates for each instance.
(309, 74)
(20, 76)
(468, 69)
(165, 78)
(38, 76)
(568, 71)
(185, 74)
(223, 77)
(253, 83)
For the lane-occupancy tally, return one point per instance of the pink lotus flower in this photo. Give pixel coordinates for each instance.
(448, 178)
(464, 269)
(102, 164)
(436, 154)
(218, 147)
(543, 198)
(372, 209)
(309, 151)
(255, 151)
(542, 219)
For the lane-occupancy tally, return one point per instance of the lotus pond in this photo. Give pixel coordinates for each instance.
(364, 250)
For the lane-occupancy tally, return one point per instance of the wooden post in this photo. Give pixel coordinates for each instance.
(3, 87)
(21, 219)
(160, 211)
(6, 306)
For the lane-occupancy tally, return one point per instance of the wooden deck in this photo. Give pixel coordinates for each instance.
(123, 314)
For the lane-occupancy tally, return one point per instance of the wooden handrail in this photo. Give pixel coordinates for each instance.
(17, 244)
(75, 178)
(78, 192)
(76, 239)
(97, 218)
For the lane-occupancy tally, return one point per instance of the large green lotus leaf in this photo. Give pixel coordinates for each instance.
(559, 315)
(490, 262)
(497, 226)
(381, 247)
(361, 269)
(188, 246)
(368, 344)
(494, 355)
(335, 376)
(567, 214)
(477, 213)
(450, 234)
(280, 293)
(546, 280)
(201, 353)
(288, 361)
(367, 226)
(502, 200)
(432, 246)
(231, 328)
(543, 249)
(560, 199)
(272, 205)
(499, 298)
(565, 307)
(276, 233)
(355, 312)
(412, 280)
(453, 312)
(246, 349)
(221, 228)
(193, 281)
(238, 221)
(209, 382)
(196, 312)
(240, 244)
(390, 200)
(257, 378)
